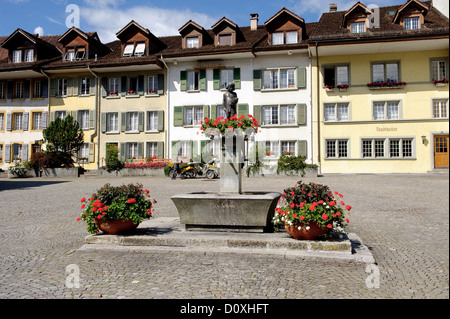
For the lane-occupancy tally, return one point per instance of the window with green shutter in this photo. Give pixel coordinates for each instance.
(178, 115)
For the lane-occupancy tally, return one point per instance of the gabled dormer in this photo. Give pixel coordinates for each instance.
(81, 46)
(137, 41)
(193, 35)
(411, 15)
(226, 32)
(24, 47)
(285, 27)
(356, 19)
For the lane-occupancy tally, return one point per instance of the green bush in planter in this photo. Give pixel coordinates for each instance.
(291, 164)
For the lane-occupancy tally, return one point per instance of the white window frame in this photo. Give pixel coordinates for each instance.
(193, 115)
(277, 38)
(152, 121)
(85, 86)
(84, 119)
(192, 42)
(128, 51)
(273, 149)
(62, 87)
(18, 121)
(291, 37)
(226, 77)
(113, 86)
(2, 122)
(60, 114)
(385, 70)
(17, 56)
(288, 146)
(384, 112)
(37, 121)
(280, 79)
(440, 108)
(332, 112)
(29, 55)
(405, 145)
(193, 81)
(439, 69)
(152, 85)
(336, 146)
(151, 149)
(140, 49)
(412, 23)
(132, 150)
(20, 90)
(112, 122)
(132, 122)
(37, 91)
(84, 151)
(358, 27)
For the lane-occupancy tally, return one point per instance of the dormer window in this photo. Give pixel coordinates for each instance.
(134, 49)
(225, 39)
(285, 27)
(291, 37)
(17, 56)
(412, 23)
(75, 54)
(277, 38)
(192, 42)
(29, 55)
(358, 27)
(288, 37)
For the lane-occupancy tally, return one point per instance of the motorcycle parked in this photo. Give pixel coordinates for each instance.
(189, 170)
(211, 170)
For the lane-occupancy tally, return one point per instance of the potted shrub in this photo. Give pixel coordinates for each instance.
(308, 211)
(115, 210)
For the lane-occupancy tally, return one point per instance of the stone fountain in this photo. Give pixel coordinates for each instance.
(230, 210)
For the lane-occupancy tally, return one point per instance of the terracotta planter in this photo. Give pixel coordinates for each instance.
(116, 227)
(314, 231)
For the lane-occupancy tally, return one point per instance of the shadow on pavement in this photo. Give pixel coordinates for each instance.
(23, 184)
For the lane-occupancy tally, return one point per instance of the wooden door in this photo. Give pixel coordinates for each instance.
(441, 151)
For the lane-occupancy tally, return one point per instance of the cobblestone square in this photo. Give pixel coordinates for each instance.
(402, 219)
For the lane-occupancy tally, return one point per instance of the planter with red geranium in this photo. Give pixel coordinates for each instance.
(116, 210)
(442, 82)
(386, 85)
(310, 211)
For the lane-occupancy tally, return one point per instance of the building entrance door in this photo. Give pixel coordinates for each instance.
(441, 151)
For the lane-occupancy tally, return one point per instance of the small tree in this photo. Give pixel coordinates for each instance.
(64, 139)
(112, 161)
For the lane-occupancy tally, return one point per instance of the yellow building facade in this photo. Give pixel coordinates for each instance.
(381, 105)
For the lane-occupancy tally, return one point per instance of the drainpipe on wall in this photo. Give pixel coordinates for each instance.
(318, 112)
(48, 97)
(97, 108)
(167, 130)
(311, 106)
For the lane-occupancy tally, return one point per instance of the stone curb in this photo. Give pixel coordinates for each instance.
(167, 234)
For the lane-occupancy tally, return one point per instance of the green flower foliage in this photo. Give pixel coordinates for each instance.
(109, 203)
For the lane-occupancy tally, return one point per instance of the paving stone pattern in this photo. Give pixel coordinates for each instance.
(402, 219)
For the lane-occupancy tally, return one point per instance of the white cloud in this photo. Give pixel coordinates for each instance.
(108, 20)
(39, 30)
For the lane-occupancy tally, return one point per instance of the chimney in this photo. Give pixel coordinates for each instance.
(254, 21)
(333, 7)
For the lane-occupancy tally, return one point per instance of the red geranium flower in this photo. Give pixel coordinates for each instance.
(348, 207)
(329, 226)
(325, 216)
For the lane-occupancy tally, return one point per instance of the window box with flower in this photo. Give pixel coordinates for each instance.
(310, 211)
(113, 93)
(442, 82)
(329, 88)
(343, 87)
(115, 210)
(386, 85)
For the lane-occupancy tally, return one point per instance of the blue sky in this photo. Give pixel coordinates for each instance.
(163, 17)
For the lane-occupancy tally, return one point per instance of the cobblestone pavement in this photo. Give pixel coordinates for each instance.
(403, 219)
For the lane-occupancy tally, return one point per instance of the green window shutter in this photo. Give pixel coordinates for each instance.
(25, 149)
(257, 113)
(8, 153)
(178, 116)
(257, 76)
(242, 109)
(160, 146)
(91, 153)
(92, 119)
(141, 121)
(174, 149)
(205, 111)
(195, 156)
(123, 151)
(141, 85)
(302, 147)
(53, 84)
(103, 122)
(214, 111)
(105, 87)
(237, 78)
(140, 150)
(202, 83)
(183, 80)
(160, 84)
(25, 120)
(160, 121)
(73, 84)
(123, 85)
(123, 122)
(301, 78)
(216, 79)
(8, 122)
(301, 114)
(93, 86)
(44, 120)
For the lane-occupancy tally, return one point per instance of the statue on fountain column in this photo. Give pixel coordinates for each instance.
(230, 101)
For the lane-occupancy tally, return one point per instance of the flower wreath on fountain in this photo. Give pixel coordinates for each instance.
(211, 127)
(308, 211)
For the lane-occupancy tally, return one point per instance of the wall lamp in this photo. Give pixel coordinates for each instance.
(424, 139)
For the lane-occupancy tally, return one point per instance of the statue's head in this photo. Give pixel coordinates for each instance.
(231, 87)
